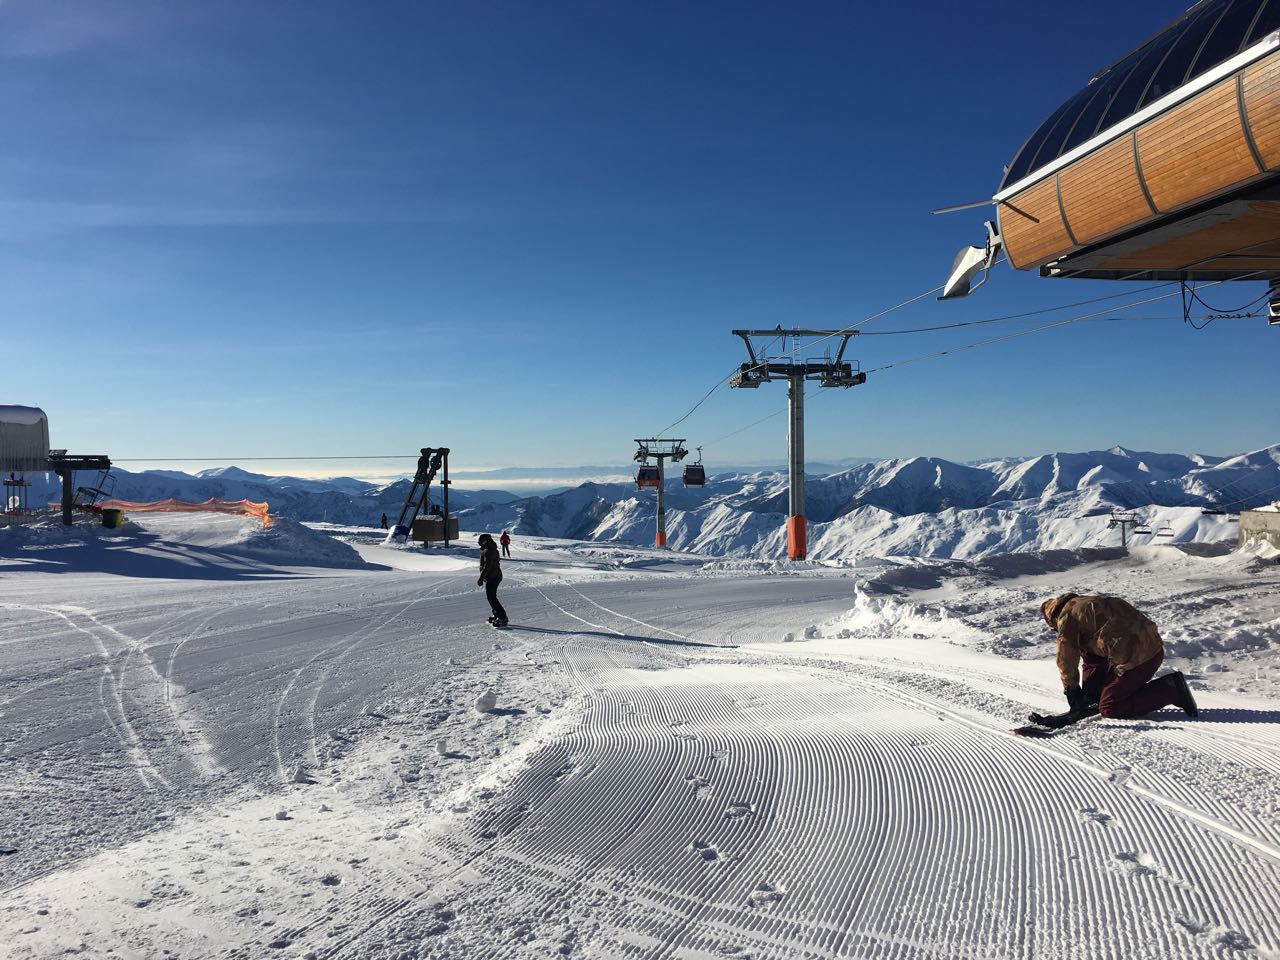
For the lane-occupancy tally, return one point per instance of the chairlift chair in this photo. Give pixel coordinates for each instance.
(1141, 529)
(103, 488)
(1165, 531)
(647, 476)
(694, 473)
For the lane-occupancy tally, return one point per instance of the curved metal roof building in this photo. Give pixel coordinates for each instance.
(1166, 165)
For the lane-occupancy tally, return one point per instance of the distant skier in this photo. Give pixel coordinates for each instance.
(1121, 650)
(490, 577)
(384, 521)
(505, 540)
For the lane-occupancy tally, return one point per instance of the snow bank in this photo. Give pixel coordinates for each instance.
(291, 543)
(211, 539)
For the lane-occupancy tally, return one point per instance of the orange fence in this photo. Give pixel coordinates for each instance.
(246, 507)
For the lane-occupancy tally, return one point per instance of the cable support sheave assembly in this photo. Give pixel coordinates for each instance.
(1095, 316)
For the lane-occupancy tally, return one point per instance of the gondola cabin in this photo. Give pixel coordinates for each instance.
(1164, 166)
(695, 475)
(648, 476)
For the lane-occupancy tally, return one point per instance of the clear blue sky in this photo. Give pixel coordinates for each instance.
(524, 230)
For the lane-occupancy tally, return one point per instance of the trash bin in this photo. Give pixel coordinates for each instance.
(112, 517)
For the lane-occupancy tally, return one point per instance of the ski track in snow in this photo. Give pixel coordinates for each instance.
(643, 790)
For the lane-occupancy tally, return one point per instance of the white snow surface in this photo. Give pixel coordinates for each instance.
(223, 742)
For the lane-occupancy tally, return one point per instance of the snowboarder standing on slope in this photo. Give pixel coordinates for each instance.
(1121, 650)
(490, 577)
(505, 540)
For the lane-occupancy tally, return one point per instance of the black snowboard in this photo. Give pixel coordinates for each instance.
(1036, 731)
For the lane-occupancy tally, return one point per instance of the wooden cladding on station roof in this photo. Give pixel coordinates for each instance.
(1102, 191)
(1247, 242)
(1031, 225)
(1192, 153)
(1262, 105)
(1195, 150)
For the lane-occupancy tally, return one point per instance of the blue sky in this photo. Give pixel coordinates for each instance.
(524, 231)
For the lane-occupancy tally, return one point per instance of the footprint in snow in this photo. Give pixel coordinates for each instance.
(706, 851)
(1119, 775)
(1094, 815)
(739, 809)
(766, 893)
(1137, 864)
(701, 786)
(1220, 936)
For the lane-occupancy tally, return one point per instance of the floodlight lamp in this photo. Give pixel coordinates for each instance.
(968, 263)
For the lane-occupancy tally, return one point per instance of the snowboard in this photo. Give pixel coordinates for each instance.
(498, 626)
(1049, 725)
(1035, 731)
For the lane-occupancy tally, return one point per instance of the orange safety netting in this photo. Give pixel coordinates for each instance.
(246, 507)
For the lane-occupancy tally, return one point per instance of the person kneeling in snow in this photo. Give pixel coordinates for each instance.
(490, 577)
(1121, 650)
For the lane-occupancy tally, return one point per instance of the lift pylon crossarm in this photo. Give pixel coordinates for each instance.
(798, 333)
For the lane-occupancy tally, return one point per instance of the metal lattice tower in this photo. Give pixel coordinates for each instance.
(1124, 519)
(661, 451)
(828, 371)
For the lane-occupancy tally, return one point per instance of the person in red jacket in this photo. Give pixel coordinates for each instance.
(505, 540)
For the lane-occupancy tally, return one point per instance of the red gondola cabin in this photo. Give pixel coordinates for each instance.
(647, 476)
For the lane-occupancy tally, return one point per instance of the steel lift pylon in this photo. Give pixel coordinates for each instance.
(432, 461)
(827, 372)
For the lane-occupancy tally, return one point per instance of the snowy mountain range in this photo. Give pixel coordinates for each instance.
(921, 506)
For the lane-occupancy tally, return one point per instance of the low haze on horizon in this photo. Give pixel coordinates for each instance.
(525, 232)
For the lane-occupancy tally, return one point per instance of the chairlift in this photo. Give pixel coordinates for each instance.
(1165, 531)
(103, 488)
(647, 476)
(1212, 512)
(694, 473)
(1141, 529)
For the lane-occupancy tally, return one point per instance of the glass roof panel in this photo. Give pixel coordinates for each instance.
(1267, 22)
(1209, 33)
(1172, 73)
(1126, 99)
(1227, 38)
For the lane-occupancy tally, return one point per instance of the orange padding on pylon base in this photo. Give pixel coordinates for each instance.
(660, 540)
(795, 538)
(246, 507)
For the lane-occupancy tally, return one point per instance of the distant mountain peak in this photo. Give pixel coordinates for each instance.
(230, 473)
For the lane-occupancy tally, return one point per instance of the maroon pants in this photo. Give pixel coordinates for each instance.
(1132, 694)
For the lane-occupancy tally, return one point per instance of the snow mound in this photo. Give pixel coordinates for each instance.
(206, 538)
(292, 543)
